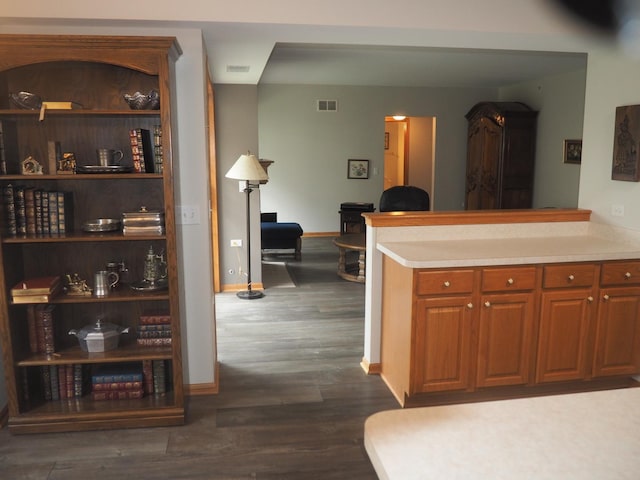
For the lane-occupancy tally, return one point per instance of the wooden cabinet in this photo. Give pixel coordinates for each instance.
(500, 156)
(517, 330)
(506, 322)
(441, 352)
(617, 341)
(567, 310)
(95, 72)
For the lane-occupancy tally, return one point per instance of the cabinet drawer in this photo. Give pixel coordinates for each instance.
(620, 273)
(570, 275)
(512, 278)
(444, 281)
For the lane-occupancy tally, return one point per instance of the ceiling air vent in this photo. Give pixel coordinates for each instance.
(237, 68)
(327, 105)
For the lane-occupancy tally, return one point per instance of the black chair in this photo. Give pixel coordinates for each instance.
(404, 198)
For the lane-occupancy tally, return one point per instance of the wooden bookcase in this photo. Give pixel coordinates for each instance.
(94, 71)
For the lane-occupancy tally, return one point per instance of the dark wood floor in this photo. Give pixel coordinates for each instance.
(292, 401)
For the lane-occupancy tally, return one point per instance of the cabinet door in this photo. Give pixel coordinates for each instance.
(505, 337)
(617, 349)
(564, 334)
(442, 341)
(483, 158)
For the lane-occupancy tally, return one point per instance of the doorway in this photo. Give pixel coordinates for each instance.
(409, 153)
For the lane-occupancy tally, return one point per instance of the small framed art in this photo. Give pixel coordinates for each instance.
(358, 169)
(573, 151)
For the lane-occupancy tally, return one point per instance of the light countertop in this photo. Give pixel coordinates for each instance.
(508, 251)
(582, 436)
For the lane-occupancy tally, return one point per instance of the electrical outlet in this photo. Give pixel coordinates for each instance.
(235, 243)
(188, 214)
(617, 210)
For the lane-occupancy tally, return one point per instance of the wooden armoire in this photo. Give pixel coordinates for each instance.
(500, 156)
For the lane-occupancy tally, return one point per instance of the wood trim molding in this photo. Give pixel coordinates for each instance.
(415, 219)
(4, 416)
(205, 388)
(371, 368)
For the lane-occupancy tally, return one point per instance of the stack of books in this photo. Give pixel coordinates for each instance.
(35, 212)
(155, 376)
(36, 290)
(118, 381)
(62, 382)
(142, 151)
(41, 329)
(154, 329)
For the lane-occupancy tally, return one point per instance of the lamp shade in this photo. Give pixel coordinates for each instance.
(247, 167)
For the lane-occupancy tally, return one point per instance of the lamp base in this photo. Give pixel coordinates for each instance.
(249, 294)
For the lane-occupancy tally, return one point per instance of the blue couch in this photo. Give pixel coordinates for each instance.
(280, 235)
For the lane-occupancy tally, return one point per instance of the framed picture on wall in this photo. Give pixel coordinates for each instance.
(358, 169)
(572, 151)
(626, 158)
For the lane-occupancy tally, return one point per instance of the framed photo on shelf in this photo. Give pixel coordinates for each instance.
(572, 151)
(358, 169)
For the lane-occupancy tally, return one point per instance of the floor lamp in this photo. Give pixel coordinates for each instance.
(248, 169)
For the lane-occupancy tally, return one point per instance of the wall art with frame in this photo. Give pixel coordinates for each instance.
(573, 151)
(358, 169)
(626, 161)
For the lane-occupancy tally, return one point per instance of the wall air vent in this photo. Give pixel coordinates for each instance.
(327, 105)
(237, 68)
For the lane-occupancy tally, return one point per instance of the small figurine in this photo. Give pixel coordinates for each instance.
(76, 286)
(30, 166)
(67, 164)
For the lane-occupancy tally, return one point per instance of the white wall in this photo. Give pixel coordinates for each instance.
(308, 180)
(560, 102)
(612, 81)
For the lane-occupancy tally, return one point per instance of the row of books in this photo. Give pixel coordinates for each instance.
(62, 382)
(105, 381)
(33, 211)
(129, 380)
(146, 149)
(154, 329)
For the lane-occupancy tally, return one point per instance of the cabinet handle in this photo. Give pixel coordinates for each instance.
(469, 305)
(589, 299)
(487, 303)
(510, 281)
(606, 297)
(447, 283)
(627, 275)
(571, 278)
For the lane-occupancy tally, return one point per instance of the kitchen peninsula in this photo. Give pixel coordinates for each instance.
(499, 304)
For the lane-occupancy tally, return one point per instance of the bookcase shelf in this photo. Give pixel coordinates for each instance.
(96, 72)
(127, 352)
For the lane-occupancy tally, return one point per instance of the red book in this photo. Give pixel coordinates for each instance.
(36, 286)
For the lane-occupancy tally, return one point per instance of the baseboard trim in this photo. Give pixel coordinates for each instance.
(239, 287)
(212, 388)
(321, 234)
(370, 368)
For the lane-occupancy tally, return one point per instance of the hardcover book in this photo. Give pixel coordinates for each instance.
(119, 372)
(36, 286)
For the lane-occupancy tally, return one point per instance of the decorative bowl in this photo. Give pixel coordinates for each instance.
(140, 101)
(102, 225)
(25, 100)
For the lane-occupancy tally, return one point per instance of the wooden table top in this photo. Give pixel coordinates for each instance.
(353, 241)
